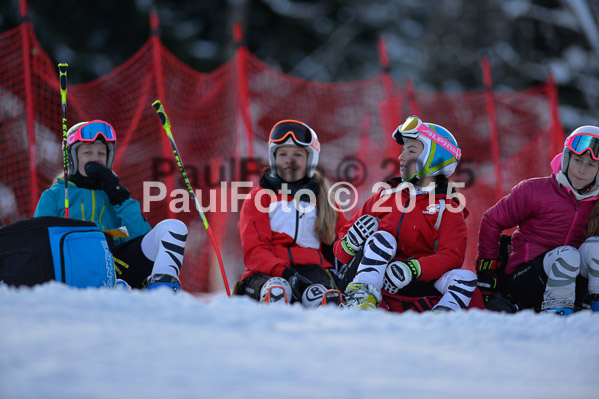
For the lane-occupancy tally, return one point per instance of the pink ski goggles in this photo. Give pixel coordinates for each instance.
(413, 126)
(89, 132)
(582, 142)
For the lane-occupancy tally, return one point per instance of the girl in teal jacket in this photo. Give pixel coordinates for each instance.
(149, 257)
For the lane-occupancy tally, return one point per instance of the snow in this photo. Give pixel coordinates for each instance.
(59, 342)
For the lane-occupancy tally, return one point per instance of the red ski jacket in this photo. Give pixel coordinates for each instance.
(433, 232)
(276, 235)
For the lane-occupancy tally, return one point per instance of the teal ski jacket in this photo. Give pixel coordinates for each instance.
(93, 205)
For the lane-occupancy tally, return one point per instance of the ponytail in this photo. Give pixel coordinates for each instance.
(326, 215)
(593, 227)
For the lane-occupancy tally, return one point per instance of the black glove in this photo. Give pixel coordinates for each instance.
(487, 271)
(499, 303)
(358, 233)
(109, 182)
(297, 282)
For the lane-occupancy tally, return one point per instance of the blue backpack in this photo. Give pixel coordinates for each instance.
(37, 250)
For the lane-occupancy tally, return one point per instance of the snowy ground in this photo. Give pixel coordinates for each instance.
(57, 342)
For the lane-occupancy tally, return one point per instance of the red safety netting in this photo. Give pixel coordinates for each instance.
(220, 121)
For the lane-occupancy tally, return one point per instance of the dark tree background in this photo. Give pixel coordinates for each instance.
(436, 44)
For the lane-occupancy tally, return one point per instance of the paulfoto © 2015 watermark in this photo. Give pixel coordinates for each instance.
(343, 197)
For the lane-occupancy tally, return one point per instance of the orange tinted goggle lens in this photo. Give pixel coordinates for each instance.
(299, 133)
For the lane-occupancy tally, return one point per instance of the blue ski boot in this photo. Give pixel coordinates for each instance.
(595, 302)
(559, 311)
(163, 280)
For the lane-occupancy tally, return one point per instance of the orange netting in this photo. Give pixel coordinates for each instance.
(220, 122)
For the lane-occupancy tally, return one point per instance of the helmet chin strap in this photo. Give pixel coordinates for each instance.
(590, 190)
(586, 188)
(413, 179)
(416, 177)
(589, 187)
(583, 190)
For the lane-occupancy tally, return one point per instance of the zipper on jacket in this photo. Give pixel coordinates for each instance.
(573, 223)
(296, 226)
(93, 205)
(294, 236)
(290, 256)
(403, 213)
(82, 211)
(102, 213)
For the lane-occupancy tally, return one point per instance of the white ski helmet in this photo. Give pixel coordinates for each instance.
(582, 139)
(441, 153)
(291, 132)
(88, 132)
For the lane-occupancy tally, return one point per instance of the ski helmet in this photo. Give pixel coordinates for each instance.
(582, 139)
(441, 153)
(88, 132)
(291, 132)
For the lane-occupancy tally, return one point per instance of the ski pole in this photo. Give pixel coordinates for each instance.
(62, 68)
(167, 128)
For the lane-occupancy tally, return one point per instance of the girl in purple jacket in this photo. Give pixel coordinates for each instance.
(550, 248)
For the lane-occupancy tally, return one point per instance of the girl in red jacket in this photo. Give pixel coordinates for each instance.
(551, 214)
(410, 239)
(287, 223)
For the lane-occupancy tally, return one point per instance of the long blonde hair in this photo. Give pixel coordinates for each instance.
(593, 227)
(326, 215)
(55, 179)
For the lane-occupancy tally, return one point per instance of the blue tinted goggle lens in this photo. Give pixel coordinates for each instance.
(91, 131)
(583, 143)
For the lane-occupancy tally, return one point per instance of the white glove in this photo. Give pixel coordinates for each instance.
(358, 233)
(399, 274)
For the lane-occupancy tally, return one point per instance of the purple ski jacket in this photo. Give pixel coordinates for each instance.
(547, 215)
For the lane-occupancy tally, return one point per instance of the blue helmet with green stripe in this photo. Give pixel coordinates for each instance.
(441, 152)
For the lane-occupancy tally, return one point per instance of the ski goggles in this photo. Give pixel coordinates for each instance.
(582, 142)
(89, 132)
(413, 127)
(299, 133)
